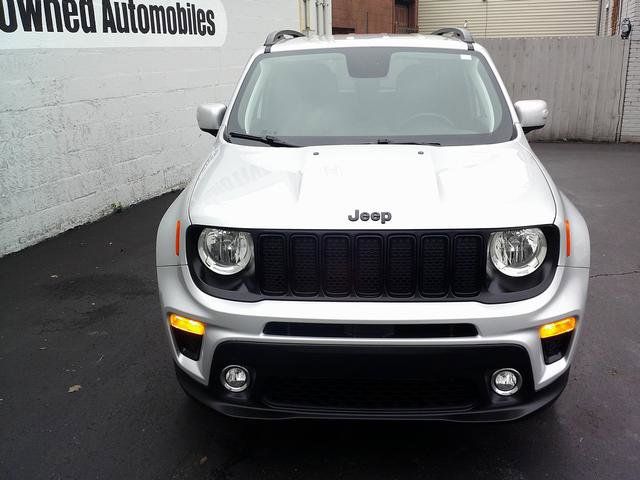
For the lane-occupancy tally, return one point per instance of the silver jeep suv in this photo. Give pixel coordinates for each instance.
(372, 237)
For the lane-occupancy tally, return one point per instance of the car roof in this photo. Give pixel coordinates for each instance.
(415, 40)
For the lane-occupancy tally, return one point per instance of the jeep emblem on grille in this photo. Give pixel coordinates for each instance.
(382, 217)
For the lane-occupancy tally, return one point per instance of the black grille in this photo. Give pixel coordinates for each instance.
(364, 265)
(305, 376)
(370, 394)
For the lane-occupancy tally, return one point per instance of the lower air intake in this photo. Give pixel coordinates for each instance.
(370, 394)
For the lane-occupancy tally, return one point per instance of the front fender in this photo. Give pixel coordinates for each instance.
(580, 243)
(171, 235)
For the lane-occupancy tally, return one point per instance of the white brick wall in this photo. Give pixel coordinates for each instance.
(630, 129)
(84, 130)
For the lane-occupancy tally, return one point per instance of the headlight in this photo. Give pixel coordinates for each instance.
(517, 253)
(223, 251)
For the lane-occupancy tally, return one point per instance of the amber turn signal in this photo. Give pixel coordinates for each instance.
(186, 324)
(558, 328)
(178, 238)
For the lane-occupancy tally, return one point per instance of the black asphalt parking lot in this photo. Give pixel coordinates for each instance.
(80, 312)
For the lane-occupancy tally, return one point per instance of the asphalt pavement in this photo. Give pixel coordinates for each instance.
(87, 388)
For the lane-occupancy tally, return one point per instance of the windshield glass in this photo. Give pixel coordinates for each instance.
(370, 95)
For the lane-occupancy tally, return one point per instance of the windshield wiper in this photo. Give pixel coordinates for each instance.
(387, 141)
(268, 139)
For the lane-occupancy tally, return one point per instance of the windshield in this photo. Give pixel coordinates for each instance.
(369, 95)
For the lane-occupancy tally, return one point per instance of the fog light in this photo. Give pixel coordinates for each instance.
(506, 381)
(235, 378)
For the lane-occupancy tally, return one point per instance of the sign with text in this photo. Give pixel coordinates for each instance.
(111, 23)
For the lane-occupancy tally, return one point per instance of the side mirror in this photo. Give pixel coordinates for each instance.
(210, 117)
(532, 114)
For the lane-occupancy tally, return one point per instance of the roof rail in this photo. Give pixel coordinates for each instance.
(275, 37)
(460, 33)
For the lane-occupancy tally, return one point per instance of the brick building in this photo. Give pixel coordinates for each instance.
(375, 16)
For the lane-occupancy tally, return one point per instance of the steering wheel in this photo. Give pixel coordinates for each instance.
(428, 117)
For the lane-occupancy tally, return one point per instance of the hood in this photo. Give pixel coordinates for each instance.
(421, 187)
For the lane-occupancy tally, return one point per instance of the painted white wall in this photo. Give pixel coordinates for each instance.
(84, 131)
(630, 127)
(630, 131)
(631, 120)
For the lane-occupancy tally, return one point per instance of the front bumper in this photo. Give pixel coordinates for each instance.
(292, 381)
(509, 325)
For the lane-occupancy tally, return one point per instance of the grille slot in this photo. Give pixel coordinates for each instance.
(304, 265)
(401, 266)
(363, 265)
(435, 266)
(337, 265)
(272, 262)
(369, 273)
(467, 265)
(348, 330)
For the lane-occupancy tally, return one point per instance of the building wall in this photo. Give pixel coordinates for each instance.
(363, 16)
(630, 131)
(625, 9)
(86, 131)
(511, 18)
(562, 18)
(610, 25)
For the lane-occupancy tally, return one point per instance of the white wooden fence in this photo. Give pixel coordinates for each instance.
(581, 78)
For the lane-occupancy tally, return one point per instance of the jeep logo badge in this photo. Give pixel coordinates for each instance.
(382, 217)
